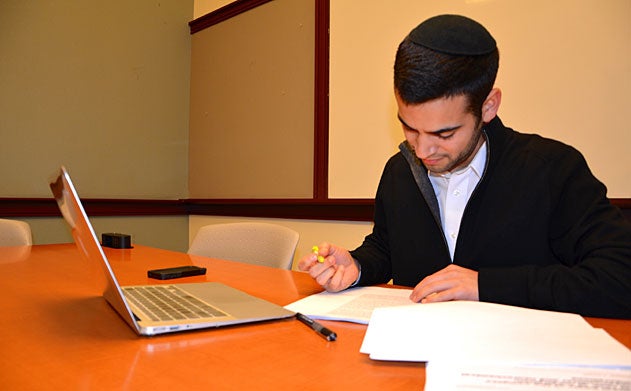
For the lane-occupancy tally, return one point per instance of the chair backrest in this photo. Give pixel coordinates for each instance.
(251, 242)
(15, 233)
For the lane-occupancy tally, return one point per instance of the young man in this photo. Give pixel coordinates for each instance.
(472, 210)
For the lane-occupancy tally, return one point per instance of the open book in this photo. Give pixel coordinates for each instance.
(352, 305)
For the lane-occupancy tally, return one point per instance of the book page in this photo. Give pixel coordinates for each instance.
(352, 305)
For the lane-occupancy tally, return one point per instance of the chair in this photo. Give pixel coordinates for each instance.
(15, 233)
(251, 242)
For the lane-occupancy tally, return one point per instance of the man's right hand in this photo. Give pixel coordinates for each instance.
(338, 271)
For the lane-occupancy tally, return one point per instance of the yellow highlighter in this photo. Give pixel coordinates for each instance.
(315, 250)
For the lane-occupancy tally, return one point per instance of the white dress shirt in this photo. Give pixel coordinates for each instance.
(453, 191)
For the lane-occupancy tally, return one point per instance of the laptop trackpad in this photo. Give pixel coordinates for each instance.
(235, 302)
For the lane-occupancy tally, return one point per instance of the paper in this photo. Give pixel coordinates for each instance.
(352, 305)
(450, 376)
(486, 332)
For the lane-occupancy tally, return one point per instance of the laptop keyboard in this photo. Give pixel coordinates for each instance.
(168, 302)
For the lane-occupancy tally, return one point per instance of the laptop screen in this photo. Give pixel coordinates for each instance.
(72, 210)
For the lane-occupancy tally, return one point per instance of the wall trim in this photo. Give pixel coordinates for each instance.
(360, 209)
(309, 209)
(224, 13)
(47, 207)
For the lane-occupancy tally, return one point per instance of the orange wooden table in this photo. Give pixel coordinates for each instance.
(58, 333)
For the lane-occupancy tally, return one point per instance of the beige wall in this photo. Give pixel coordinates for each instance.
(112, 100)
(348, 234)
(565, 72)
(252, 104)
(202, 7)
(168, 232)
(103, 88)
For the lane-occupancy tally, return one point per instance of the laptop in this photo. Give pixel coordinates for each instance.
(186, 306)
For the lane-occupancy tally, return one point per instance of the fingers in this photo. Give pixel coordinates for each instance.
(321, 270)
(328, 275)
(317, 254)
(307, 262)
(430, 285)
(332, 267)
(432, 291)
(451, 283)
(336, 282)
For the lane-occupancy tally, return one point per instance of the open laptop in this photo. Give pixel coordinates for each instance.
(208, 304)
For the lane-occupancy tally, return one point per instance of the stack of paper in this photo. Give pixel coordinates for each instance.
(497, 344)
(449, 376)
(489, 332)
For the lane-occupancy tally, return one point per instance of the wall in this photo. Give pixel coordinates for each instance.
(565, 73)
(215, 104)
(103, 88)
(168, 232)
(202, 7)
(252, 103)
(108, 100)
(565, 69)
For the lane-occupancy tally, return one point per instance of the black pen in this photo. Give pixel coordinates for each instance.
(323, 331)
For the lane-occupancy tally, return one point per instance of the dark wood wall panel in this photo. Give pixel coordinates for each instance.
(331, 209)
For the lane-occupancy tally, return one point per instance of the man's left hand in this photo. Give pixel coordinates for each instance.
(451, 283)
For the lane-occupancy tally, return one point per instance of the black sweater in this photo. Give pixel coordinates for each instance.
(538, 228)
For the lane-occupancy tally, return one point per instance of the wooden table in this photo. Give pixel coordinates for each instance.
(58, 333)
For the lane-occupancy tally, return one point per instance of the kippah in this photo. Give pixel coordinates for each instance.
(453, 34)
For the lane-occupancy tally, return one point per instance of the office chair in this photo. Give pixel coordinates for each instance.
(15, 233)
(250, 242)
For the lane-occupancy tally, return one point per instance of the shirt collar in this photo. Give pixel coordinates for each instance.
(477, 165)
(479, 161)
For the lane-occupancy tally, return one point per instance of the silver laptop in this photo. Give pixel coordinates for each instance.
(179, 307)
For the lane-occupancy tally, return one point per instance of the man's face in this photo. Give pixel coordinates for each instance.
(444, 135)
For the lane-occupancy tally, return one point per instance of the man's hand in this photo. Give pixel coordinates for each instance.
(338, 270)
(451, 283)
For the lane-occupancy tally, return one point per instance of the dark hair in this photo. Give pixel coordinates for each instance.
(422, 74)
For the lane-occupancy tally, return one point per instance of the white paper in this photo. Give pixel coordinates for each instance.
(475, 332)
(450, 376)
(352, 305)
